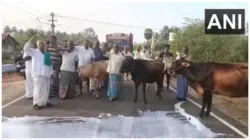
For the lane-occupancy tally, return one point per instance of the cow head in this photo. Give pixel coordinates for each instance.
(175, 66)
(127, 64)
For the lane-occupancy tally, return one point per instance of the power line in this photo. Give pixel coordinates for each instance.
(101, 22)
(30, 8)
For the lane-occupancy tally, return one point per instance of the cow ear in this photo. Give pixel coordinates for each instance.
(185, 64)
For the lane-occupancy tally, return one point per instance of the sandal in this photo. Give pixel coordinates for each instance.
(49, 104)
(36, 107)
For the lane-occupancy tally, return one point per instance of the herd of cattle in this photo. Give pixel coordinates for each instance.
(205, 78)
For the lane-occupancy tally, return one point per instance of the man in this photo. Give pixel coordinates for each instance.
(168, 55)
(68, 71)
(29, 83)
(86, 56)
(56, 59)
(41, 72)
(137, 53)
(125, 53)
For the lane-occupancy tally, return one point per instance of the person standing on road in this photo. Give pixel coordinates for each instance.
(168, 55)
(41, 72)
(126, 53)
(29, 83)
(68, 71)
(86, 56)
(114, 66)
(182, 82)
(56, 59)
(137, 53)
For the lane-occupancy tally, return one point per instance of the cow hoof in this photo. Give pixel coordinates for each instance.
(207, 113)
(201, 115)
(97, 97)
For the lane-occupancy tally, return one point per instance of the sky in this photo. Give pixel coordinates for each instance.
(23, 14)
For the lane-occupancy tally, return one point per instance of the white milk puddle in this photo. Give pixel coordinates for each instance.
(147, 125)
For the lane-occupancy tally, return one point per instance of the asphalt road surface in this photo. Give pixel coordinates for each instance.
(90, 108)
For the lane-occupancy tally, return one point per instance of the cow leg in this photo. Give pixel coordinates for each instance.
(204, 104)
(80, 84)
(209, 103)
(167, 80)
(97, 84)
(88, 84)
(136, 92)
(144, 94)
(159, 89)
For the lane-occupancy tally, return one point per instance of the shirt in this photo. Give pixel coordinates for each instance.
(144, 55)
(98, 54)
(56, 58)
(127, 54)
(168, 55)
(68, 61)
(38, 66)
(137, 55)
(115, 63)
(84, 55)
(28, 63)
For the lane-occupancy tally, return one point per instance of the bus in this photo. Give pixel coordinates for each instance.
(124, 40)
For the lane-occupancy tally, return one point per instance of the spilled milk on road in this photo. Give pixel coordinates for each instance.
(159, 124)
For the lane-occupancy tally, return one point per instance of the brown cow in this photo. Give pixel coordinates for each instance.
(96, 71)
(210, 77)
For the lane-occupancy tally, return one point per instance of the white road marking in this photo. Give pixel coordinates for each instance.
(217, 117)
(10, 103)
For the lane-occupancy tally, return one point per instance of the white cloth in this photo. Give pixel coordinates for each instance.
(38, 66)
(127, 54)
(84, 55)
(144, 55)
(29, 84)
(68, 61)
(137, 55)
(115, 63)
(41, 90)
(28, 63)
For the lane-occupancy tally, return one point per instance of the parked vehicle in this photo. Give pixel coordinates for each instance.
(20, 64)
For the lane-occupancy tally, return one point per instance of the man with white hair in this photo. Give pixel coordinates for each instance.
(125, 53)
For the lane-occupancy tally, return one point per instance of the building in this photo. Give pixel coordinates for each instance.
(9, 44)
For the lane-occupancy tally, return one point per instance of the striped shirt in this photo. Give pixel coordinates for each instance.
(56, 58)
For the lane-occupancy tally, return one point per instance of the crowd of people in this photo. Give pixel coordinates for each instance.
(52, 71)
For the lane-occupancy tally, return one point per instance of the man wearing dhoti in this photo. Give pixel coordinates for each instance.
(29, 83)
(41, 73)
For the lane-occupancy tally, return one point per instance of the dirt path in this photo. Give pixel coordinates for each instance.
(13, 86)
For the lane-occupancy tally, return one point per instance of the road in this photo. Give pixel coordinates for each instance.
(87, 106)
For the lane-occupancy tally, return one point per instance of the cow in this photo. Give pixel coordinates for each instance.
(143, 72)
(96, 71)
(212, 78)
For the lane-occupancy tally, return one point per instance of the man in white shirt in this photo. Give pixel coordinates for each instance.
(125, 53)
(114, 66)
(41, 72)
(29, 83)
(137, 53)
(68, 71)
(86, 56)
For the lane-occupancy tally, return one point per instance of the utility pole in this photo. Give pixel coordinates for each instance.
(52, 23)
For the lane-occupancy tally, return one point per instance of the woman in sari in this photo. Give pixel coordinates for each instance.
(182, 83)
(114, 65)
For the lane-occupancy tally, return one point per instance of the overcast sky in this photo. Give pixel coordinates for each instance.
(22, 14)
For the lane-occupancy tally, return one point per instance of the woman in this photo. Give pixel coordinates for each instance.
(182, 83)
(114, 65)
(41, 72)
(68, 72)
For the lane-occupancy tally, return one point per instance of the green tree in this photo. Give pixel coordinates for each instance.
(148, 34)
